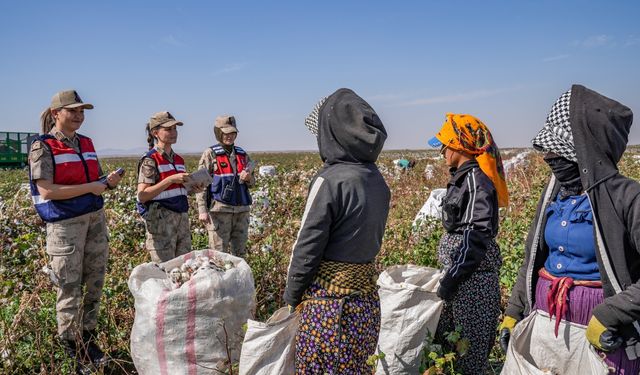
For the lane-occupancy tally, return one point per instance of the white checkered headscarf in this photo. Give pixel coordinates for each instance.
(556, 134)
(311, 121)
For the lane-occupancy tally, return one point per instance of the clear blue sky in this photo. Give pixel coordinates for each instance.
(268, 63)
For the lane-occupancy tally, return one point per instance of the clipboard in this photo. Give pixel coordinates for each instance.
(201, 177)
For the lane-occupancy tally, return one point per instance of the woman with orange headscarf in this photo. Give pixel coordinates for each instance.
(468, 251)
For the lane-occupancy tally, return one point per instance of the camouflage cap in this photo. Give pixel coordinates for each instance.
(164, 119)
(226, 124)
(68, 99)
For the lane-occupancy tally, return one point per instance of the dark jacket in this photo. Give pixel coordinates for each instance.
(600, 127)
(469, 208)
(348, 202)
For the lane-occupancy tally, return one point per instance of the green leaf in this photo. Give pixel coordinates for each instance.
(462, 346)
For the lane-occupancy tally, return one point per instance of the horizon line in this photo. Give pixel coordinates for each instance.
(114, 154)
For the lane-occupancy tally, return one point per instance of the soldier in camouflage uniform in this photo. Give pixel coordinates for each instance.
(61, 162)
(162, 199)
(226, 203)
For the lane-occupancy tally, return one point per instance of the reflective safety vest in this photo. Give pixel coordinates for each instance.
(174, 197)
(69, 168)
(226, 186)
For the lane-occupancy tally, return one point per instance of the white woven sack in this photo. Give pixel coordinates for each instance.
(534, 349)
(267, 170)
(269, 347)
(431, 209)
(195, 328)
(409, 309)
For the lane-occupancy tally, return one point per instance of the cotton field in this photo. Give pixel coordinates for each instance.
(27, 295)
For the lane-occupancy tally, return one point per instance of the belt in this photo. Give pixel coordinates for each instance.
(557, 294)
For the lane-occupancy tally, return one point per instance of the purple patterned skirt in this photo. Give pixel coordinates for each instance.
(337, 332)
(582, 300)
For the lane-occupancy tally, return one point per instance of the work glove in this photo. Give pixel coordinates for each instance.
(602, 338)
(505, 331)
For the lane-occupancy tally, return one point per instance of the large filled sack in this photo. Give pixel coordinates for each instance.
(409, 310)
(267, 170)
(269, 347)
(534, 349)
(431, 210)
(516, 161)
(190, 312)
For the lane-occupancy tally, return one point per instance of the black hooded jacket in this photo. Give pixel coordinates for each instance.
(348, 202)
(600, 127)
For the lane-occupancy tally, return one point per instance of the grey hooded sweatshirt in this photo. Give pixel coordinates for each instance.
(348, 202)
(600, 128)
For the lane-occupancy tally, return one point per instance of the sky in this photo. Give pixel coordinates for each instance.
(268, 62)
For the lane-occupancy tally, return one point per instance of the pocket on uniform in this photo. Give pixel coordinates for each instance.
(62, 236)
(60, 263)
(55, 250)
(155, 219)
(152, 211)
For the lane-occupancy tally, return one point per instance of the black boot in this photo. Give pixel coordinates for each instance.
(72, 351)
(70, 348)
(91, 350)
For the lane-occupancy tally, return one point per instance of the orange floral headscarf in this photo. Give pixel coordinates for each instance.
(468, 134)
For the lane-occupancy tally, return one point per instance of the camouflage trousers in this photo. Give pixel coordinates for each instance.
(168, 233)
(229, 231)
(78, 249)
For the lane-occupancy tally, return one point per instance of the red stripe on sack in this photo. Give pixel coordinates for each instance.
(191, 329)
(160, 311)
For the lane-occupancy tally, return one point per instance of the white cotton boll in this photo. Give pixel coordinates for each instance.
(429, 171)
(191, 264)
(186, 276)
(204, 266)
(176, 276)
(6, 355)
(215, 266)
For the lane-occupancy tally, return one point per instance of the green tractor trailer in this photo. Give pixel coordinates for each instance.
(14, 148)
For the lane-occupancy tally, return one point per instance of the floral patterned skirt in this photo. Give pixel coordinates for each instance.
(474, 307)
(338, 330)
